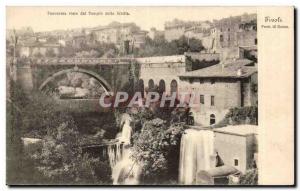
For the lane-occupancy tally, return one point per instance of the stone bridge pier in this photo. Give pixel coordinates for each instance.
(113, 74)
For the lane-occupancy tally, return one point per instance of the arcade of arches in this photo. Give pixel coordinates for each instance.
(161, 87)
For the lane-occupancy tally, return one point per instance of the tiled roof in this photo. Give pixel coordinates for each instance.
(227, 69)
(239, 129)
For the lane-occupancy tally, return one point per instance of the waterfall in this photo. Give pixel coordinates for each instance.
(196, 150)
(126, 133)
(124, 169)
(114, 153)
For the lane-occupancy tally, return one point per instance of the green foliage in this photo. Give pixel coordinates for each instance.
(50, 53)
(67, 51)
(157, 147)
(195, 64)
(242, 115)
(95, 49)
(42, 114)
(14, 107)
(62, 161)
(140, 117)
(249, 178)
(160, 47)
(91, 123)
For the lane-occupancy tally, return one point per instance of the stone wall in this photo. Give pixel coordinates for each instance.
(165, 68)
(247, 38)
(238, 149)
(116, 75)
(226, 92)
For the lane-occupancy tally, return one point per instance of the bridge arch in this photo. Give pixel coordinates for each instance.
(101, 80)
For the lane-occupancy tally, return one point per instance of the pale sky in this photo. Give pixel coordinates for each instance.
(145, 17)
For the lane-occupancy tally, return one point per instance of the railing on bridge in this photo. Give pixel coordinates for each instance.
(73, 61)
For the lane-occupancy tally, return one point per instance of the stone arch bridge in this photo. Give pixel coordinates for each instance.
(114, 74)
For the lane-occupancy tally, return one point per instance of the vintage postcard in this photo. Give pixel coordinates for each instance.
(150, 96)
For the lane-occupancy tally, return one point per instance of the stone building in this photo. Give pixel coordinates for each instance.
(243, 141)
(177, 28)
(161, 71)
(198, 31)
(154, 33)
(79, 40)
(231, 33)
(220, 87)
(115, 32)
(138, 38)
(40, 49)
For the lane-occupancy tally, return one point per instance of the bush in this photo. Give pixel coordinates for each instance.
(239, 115)
(157, 146)
(243, 115)
(249, 178)
(42, 114)
(160, 47)
(62, 162)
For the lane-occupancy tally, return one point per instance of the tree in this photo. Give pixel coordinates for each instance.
(160, 47)
(50, 53)
(157, 147)
(62, 161)
(249, 178)
(67, 51)
(42, 114)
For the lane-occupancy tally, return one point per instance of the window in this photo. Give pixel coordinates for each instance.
(162, 86)
(212, 100)
(202, 99)
(228, 29)
(141, 86)
(151, 85)
(212, 81)
(191, 81)
(201, 81)
(236, 162)
(221, 38)
(255, 41)
(174, 86)
(212, 120)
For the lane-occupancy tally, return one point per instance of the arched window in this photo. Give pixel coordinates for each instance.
(162, 86)
(212, 119)
(151, 85)
(141, 87)
(174, 86)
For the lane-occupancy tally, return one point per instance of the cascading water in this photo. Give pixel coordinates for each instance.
(196, 150)
(126, 132)
(124, 169)
(114, 153)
